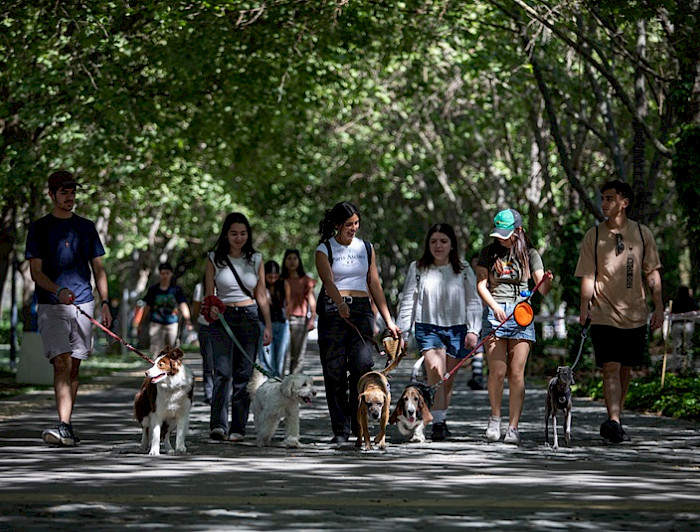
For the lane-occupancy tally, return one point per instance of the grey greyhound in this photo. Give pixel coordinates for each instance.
(559, 399)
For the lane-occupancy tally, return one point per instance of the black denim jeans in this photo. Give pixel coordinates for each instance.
(345, 357)
(233, 369)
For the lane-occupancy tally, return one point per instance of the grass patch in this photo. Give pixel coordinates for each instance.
(679, 398)
(98, 365)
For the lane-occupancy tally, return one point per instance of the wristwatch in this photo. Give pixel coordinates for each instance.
(104, 302)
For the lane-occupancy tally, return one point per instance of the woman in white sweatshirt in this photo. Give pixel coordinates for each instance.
(440, 297)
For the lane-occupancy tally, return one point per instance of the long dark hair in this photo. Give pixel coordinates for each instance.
(427, 259)
(519, 251)
(285, 271)
(222, 247)
(335, 217)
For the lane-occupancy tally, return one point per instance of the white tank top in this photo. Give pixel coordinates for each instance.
(350, 264)
(227, 288)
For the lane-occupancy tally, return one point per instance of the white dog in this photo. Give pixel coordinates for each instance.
(273, 401)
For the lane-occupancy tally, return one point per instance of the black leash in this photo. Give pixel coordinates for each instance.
(584, 334)
(363, 336)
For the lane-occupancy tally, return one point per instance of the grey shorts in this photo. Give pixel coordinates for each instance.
(65, 330)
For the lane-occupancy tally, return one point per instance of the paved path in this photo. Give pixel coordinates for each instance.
(652, 483)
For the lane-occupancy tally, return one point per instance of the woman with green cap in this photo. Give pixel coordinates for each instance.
(503, 273)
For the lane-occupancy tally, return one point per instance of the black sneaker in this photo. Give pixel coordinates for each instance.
(625, 437)
(612, 431)
(439, 432)
(62, 434)
(448, 434)
(339, 439)
(476, 383)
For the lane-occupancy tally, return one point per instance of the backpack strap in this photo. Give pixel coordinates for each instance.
(595, 255)
(368, 247)
(644, 245)
(330, 252)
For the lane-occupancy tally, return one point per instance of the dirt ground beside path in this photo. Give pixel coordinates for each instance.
(465, 482)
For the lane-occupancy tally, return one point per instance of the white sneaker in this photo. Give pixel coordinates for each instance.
(493, 431)
(235, 437)
(512, 436)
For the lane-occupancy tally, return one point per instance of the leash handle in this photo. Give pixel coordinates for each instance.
(113, 335)
(547, 275)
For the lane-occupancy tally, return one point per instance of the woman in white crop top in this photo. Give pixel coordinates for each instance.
(440, 297)
(349, 275)
(246, 303)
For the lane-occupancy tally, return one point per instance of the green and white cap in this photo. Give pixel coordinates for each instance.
(505, 222)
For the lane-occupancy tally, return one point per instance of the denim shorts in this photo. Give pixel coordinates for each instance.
(451, 339)
(510, 328)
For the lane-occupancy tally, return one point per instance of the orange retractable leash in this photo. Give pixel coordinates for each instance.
(524, 312)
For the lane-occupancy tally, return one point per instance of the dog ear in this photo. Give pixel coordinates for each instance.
(287, 387)
(424, 410)
(398, 411)
(176, 353)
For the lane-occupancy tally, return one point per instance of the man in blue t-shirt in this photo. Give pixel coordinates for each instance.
(163, 301)
(62, 249)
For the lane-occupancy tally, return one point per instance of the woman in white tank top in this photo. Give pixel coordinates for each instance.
(349, 274)
(235, 273)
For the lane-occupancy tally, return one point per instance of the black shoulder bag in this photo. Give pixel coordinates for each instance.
(238, 280)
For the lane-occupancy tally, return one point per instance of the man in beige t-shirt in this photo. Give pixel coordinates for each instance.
(616, 259)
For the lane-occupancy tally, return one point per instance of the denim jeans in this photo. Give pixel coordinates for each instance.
(233, 369)
(299, 330)
(274, 355)
(206, 349)
(345, 357)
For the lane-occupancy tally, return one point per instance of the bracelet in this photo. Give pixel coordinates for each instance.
(104, 302)
(57, 292)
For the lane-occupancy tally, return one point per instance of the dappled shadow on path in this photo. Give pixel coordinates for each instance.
(464, 482)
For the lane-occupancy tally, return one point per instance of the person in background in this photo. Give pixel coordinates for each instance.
(64, 251)
(301, 307)
(682, 330)
(503, 272)
(477, 361)
(274, 355)
(205, 343)
(440, 297)
(165, 302)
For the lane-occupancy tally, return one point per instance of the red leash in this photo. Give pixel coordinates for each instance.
(473, 351)
(113, 335)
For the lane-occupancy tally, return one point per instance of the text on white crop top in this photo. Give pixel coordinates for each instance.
(350, 264)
